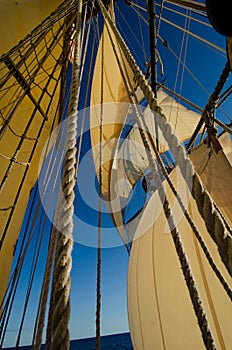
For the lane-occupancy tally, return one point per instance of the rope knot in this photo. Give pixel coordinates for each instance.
(212, 130)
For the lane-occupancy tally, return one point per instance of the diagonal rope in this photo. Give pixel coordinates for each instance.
(39, 326)
(195, 297)
(213, 220)
(36, 254)
(191, 284)
(205, 118)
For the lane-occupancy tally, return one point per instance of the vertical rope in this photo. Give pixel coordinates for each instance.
(60, 299)
(98, 306)
(152, 30)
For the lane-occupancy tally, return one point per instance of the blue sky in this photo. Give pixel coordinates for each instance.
(115, 260)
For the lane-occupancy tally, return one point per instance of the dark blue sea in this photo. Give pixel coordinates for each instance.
(120, 341)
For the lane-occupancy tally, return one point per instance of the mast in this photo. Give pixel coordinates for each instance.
(152, 31)
(189, 4)
(157, 288)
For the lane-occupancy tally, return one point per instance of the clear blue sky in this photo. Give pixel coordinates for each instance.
(115, 260)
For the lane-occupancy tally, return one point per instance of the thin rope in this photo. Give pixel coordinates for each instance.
(30, 155)
(39, 325)
(195, 36)
(64, 10)
(142, 38)
(183, 47)
(98, 306)
(190, 4)
(32, 276)
(87, 86)
(206, 24)
(159, 17)
(133, 34)
(6, 304)
(211, 104)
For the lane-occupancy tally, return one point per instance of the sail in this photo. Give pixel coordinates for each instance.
(109, 106)
(160, 309)
(18, 18)
(182, 120)
(126, 50)
(31, 80)
(131, 159)
(215, 170)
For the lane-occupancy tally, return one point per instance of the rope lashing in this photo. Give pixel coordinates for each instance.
(211, 104)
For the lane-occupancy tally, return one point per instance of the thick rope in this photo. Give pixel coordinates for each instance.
(192, 287)
(213, 220)
(61, 287)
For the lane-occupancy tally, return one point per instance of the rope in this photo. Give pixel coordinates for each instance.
(213, 221)
(30, 156)
(63, 10)
(98, 308)
(192, 225)
(32, 275)
(211, 104)
(61, 279)
(6, 304)
(193, 291)
(190, 4)
(39, 326)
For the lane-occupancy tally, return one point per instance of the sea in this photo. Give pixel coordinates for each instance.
(120, 341)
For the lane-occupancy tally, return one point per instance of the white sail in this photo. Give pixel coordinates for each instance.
(182, 120)
(161, 314)
(109, 107)
(215, 170)
(131, 160)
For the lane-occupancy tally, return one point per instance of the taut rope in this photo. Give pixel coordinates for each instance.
(213, 220)
(192, 287)
(59, 320)
(98, 306)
